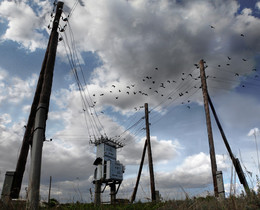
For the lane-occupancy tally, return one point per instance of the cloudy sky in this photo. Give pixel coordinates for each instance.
(125, 54)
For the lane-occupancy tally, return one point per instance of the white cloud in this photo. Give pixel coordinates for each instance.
(257, 5)
(193, 172)
(24, 25)
(5, 119)
(20, 89)
(15, 89)
(162, 151)
(253, 132)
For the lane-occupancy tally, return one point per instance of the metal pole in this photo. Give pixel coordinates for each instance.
(42, 115)
(150, 159)
(139, 173)
(209, 129)
(49, 196)
(21, 163)
(235, 161)
(36, 157)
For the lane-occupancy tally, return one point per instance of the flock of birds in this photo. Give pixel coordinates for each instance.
(169, 90)
(154, 87)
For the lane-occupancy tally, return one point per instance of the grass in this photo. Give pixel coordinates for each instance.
(241, 202)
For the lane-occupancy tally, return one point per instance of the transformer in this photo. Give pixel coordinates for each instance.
(108, 168)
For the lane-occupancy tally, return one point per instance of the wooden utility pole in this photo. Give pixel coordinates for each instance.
(209, 128)
(139, 173)
(150, 159)
(235, 161)
(42, 115)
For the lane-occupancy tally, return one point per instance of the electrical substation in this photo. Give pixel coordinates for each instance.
(109, 170)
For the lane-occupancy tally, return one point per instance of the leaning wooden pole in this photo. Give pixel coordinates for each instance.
(209, 128)
(235, 161)
(42, 115)
(150, 158)
(139, 173)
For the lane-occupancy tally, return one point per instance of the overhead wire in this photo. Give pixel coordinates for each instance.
(164, 104)
(74, 63)
(85, 83)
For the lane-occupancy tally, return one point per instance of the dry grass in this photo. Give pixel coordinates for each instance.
(242, 202)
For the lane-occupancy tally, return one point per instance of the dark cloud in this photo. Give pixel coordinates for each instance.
(138, 42)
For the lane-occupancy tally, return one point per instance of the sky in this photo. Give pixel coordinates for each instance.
(124, 54)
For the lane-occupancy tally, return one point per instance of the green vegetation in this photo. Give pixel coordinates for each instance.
(241, 202)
